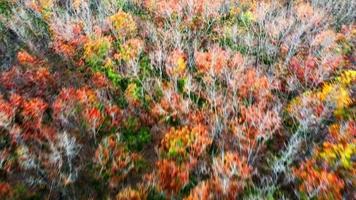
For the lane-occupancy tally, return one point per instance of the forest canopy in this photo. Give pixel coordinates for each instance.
(177, 99)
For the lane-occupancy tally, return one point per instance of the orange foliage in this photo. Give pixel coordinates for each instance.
(113, 158)
(7, 113)
(197, 7)
(237, 60)
(186, 142)
(171, 177)
(212, 61)
(176, 63)
(343, 134)
(254, 85)
(68, 42)
(230, 173)
(33, 110)
(25, 58)
(130, 194)
(123, 23)
(93, 117)
(100, 80)
(114, 113)
(203, 191)
(320, 182)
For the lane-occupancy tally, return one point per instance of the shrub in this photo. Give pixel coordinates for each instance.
(96, 50)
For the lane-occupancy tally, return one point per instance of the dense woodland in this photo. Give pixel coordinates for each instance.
(177, 99)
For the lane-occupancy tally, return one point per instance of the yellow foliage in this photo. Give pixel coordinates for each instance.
(337, 94)
(176, 63)
(109, 64)
(96, 49)
(338, 153)
(130, 50)
(325, 92)
(177, 141)
(181, 65)
(347, 77)
(132, 93)
(130, 194)
(123, 24)
(297, 101)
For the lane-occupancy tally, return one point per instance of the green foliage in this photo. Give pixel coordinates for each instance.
(235, 46)
(268, 193)
(135, 139)
(21, 192)
(5, 8)
(199, 101)
(96, 51)
(188, 187)
(131, 123)
(154, 194)
(347, 48)
(291, 124)
(142, 165)
(181, 84)
(245, 19)
(129, 6)
(114, 77)
(266, 58)
(172, 152)
(172, 121)
(4, 140)
(251, 115)
(146, 69)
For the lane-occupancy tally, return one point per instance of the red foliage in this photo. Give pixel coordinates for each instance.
(203, 191)
(25, 58)
(67, 44)
(236, 61)
(9, 78)
(5, 190)
(230, 172)
(213, 61)
(307, 71)
(171, 177)
(64, 104)
(323, 184)
(171, 103)
(221, 121)
(257, 116)
(99, 80)
(114, 159)
(254, 85)
(114, 113)
(93, 117)
(79, 103)
(16, 100)
(32, 112)
(38, 82)
(85, 96)
(7, 113)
